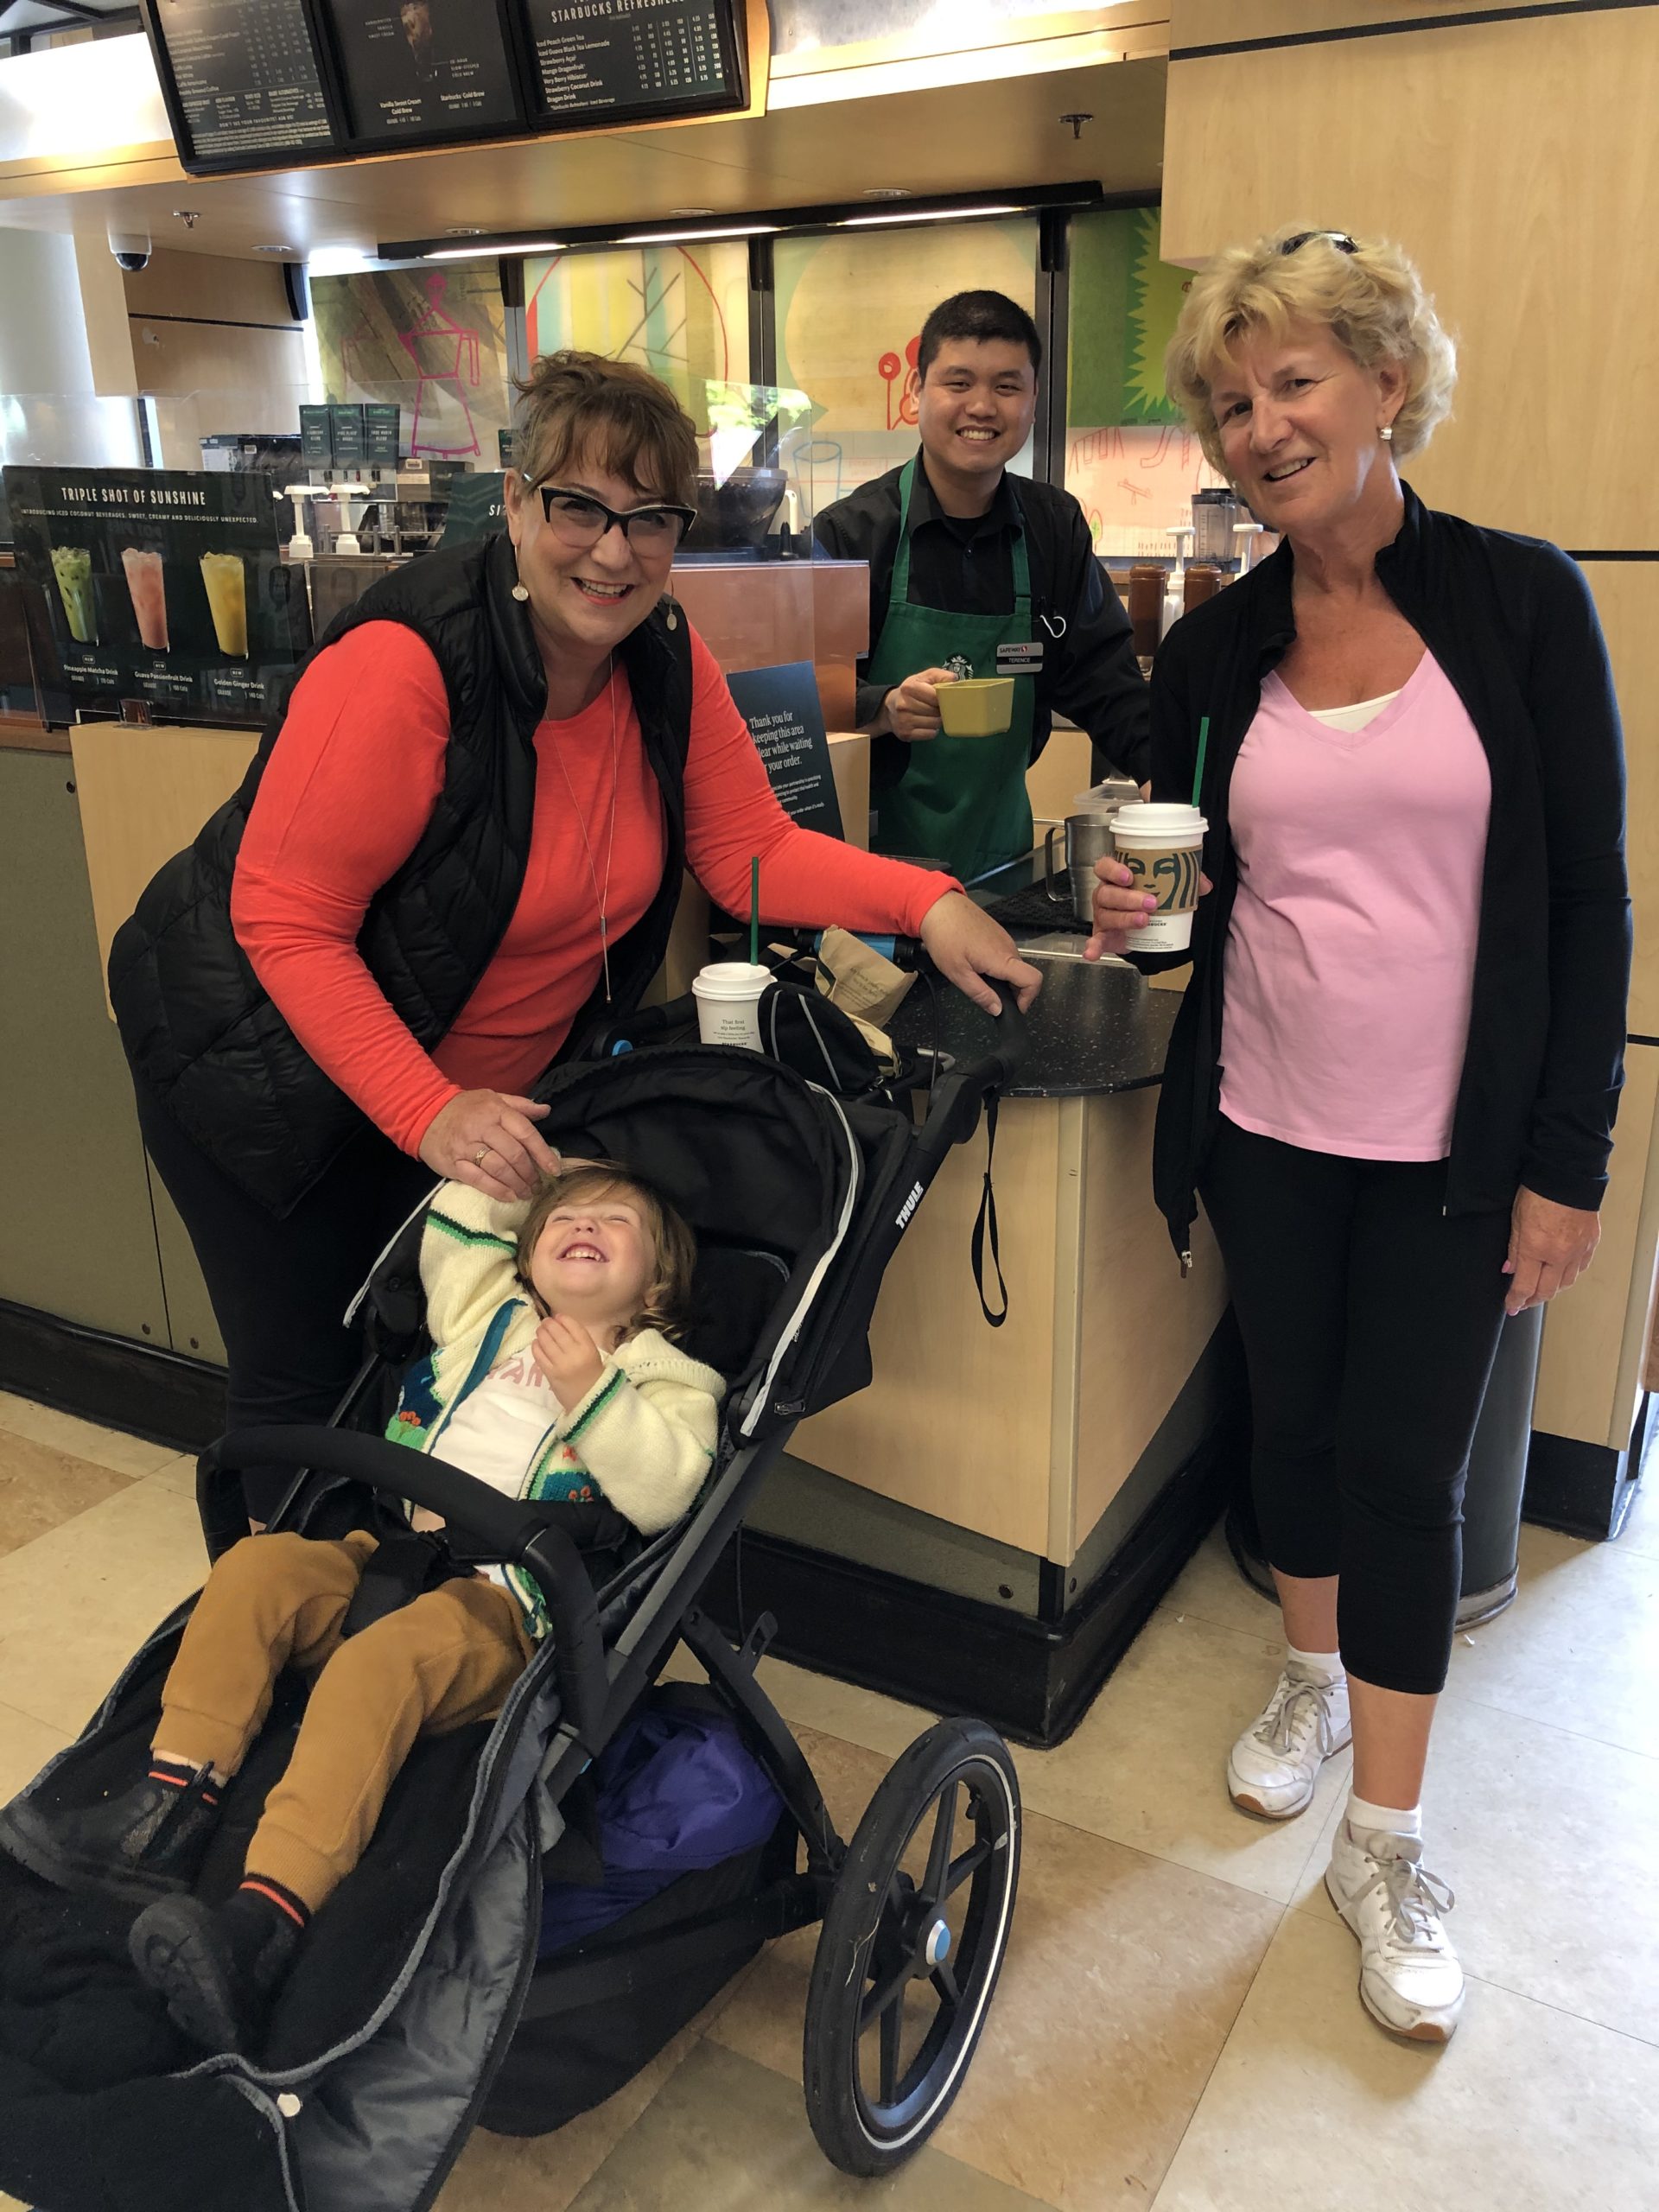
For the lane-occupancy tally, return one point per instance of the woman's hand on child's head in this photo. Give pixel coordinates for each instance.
(568, 1357)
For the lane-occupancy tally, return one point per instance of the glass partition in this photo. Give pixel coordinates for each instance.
(850, 307)
(1130, 460)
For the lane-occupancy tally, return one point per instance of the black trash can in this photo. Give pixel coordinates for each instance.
(1491, 1504)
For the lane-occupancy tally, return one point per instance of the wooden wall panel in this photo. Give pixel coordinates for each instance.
(1627, 598)
(1232, 23)
(1519, 163)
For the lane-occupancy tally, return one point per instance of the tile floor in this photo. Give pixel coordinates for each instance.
(1176, 2026)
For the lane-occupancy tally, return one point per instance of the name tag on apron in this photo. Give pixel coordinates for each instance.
(1022, 658)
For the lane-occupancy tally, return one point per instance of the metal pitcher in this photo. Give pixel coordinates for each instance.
(1088, 839)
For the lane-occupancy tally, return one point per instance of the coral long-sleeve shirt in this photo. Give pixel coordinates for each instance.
(349, 789)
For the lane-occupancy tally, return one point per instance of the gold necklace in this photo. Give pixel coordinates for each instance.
(601, 898)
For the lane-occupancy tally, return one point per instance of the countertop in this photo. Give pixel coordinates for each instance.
(1096, 1027)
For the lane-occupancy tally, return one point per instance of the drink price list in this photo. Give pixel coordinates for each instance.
(246, 77)
(601, 55)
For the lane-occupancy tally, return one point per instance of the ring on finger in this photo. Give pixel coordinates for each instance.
(478, 1156)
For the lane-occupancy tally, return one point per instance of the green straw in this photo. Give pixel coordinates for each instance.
(1204, 743)
(754, 910)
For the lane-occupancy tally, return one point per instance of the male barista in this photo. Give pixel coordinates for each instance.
(973, 570)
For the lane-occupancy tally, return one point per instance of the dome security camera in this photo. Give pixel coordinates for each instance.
(130, 248)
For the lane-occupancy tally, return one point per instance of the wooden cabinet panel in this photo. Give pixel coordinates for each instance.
(77, 1238)
(958, 1422)
(1518, 163)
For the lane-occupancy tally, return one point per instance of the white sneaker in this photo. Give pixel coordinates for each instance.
(1409, 1978)
(1275, 1762)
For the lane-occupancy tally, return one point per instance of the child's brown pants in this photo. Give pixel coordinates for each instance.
(274, 1601)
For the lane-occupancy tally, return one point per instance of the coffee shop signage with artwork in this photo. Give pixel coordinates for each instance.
(163, 586)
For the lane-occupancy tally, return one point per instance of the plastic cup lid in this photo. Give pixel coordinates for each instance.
(1156, 819)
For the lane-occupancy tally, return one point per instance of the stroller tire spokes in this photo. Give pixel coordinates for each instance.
(912, 1944)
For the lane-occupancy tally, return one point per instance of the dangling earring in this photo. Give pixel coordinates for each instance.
(1387, 433)
(521, 592)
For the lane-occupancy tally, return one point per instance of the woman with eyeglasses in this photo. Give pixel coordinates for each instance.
(1393, 1075)
(458, 856)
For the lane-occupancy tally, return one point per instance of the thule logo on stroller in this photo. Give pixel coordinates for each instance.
(909, 1206)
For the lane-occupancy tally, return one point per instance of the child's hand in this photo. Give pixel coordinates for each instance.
(568, 1357)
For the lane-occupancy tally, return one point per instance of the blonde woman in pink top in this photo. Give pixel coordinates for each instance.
(1394, 1072)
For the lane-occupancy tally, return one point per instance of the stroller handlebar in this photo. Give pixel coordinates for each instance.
(521, 1534)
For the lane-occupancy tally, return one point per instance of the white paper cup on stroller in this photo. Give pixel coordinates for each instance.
(1160, 846)
(728, 993)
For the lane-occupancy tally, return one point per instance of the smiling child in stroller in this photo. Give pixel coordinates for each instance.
(552, 1375)
(580, 1397)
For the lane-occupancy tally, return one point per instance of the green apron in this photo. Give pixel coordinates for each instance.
(961, 800)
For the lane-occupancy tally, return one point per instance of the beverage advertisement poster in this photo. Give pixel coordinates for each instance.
(162, 585)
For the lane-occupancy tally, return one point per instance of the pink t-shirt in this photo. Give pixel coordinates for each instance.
(1350, 952)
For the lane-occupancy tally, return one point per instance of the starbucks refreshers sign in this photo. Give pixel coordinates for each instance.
(163, 586)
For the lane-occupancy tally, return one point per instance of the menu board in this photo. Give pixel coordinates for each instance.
(161, 585)
(266, 84)
(245, 78)
(604, 57)
(423, 68)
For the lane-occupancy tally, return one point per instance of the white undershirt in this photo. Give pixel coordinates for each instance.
(1354, 717)
(498, 1431)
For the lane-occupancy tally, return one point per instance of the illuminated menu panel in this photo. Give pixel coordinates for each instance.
(246, 77)
(423, 68)
(605, 57)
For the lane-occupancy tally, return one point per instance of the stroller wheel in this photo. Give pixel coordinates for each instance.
(910, 1946)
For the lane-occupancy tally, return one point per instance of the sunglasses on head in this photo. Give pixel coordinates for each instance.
(1340, 239)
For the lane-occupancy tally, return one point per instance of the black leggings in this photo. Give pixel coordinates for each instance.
(1370, 1319)
(279, 1289)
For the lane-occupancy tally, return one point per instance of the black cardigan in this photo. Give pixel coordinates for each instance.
(1512, 622)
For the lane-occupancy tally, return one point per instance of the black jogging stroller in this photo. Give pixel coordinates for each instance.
(418, 2007)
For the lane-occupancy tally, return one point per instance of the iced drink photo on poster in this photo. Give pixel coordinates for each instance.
(225, 584)
(73, 567)
(148, 589)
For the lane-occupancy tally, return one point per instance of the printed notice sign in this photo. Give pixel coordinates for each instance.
(785, 720)
(164, 586)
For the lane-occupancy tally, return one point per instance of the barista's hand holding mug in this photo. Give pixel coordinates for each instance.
(1146, 897)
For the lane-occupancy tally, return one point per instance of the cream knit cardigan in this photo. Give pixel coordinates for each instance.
(646, 1432)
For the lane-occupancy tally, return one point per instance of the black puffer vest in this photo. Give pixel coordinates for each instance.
(198, 1027)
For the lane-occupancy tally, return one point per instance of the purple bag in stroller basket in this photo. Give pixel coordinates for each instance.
(677, 1793)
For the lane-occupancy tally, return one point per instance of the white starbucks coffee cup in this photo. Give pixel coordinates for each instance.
(1160, 844)
(728, 993)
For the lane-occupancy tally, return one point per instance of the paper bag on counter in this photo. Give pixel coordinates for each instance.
(861, 981)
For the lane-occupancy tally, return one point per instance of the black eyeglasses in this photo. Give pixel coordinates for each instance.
(1340, 239)
(581, 520)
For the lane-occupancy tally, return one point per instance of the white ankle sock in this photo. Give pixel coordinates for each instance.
(1389, 1820)
(1325, 1666)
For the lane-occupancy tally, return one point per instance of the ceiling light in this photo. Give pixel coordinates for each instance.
(464, 230)
(693, 214)
(675, 237)
(276, 249)
(495, 245)
(926, 215)
(886, 192)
